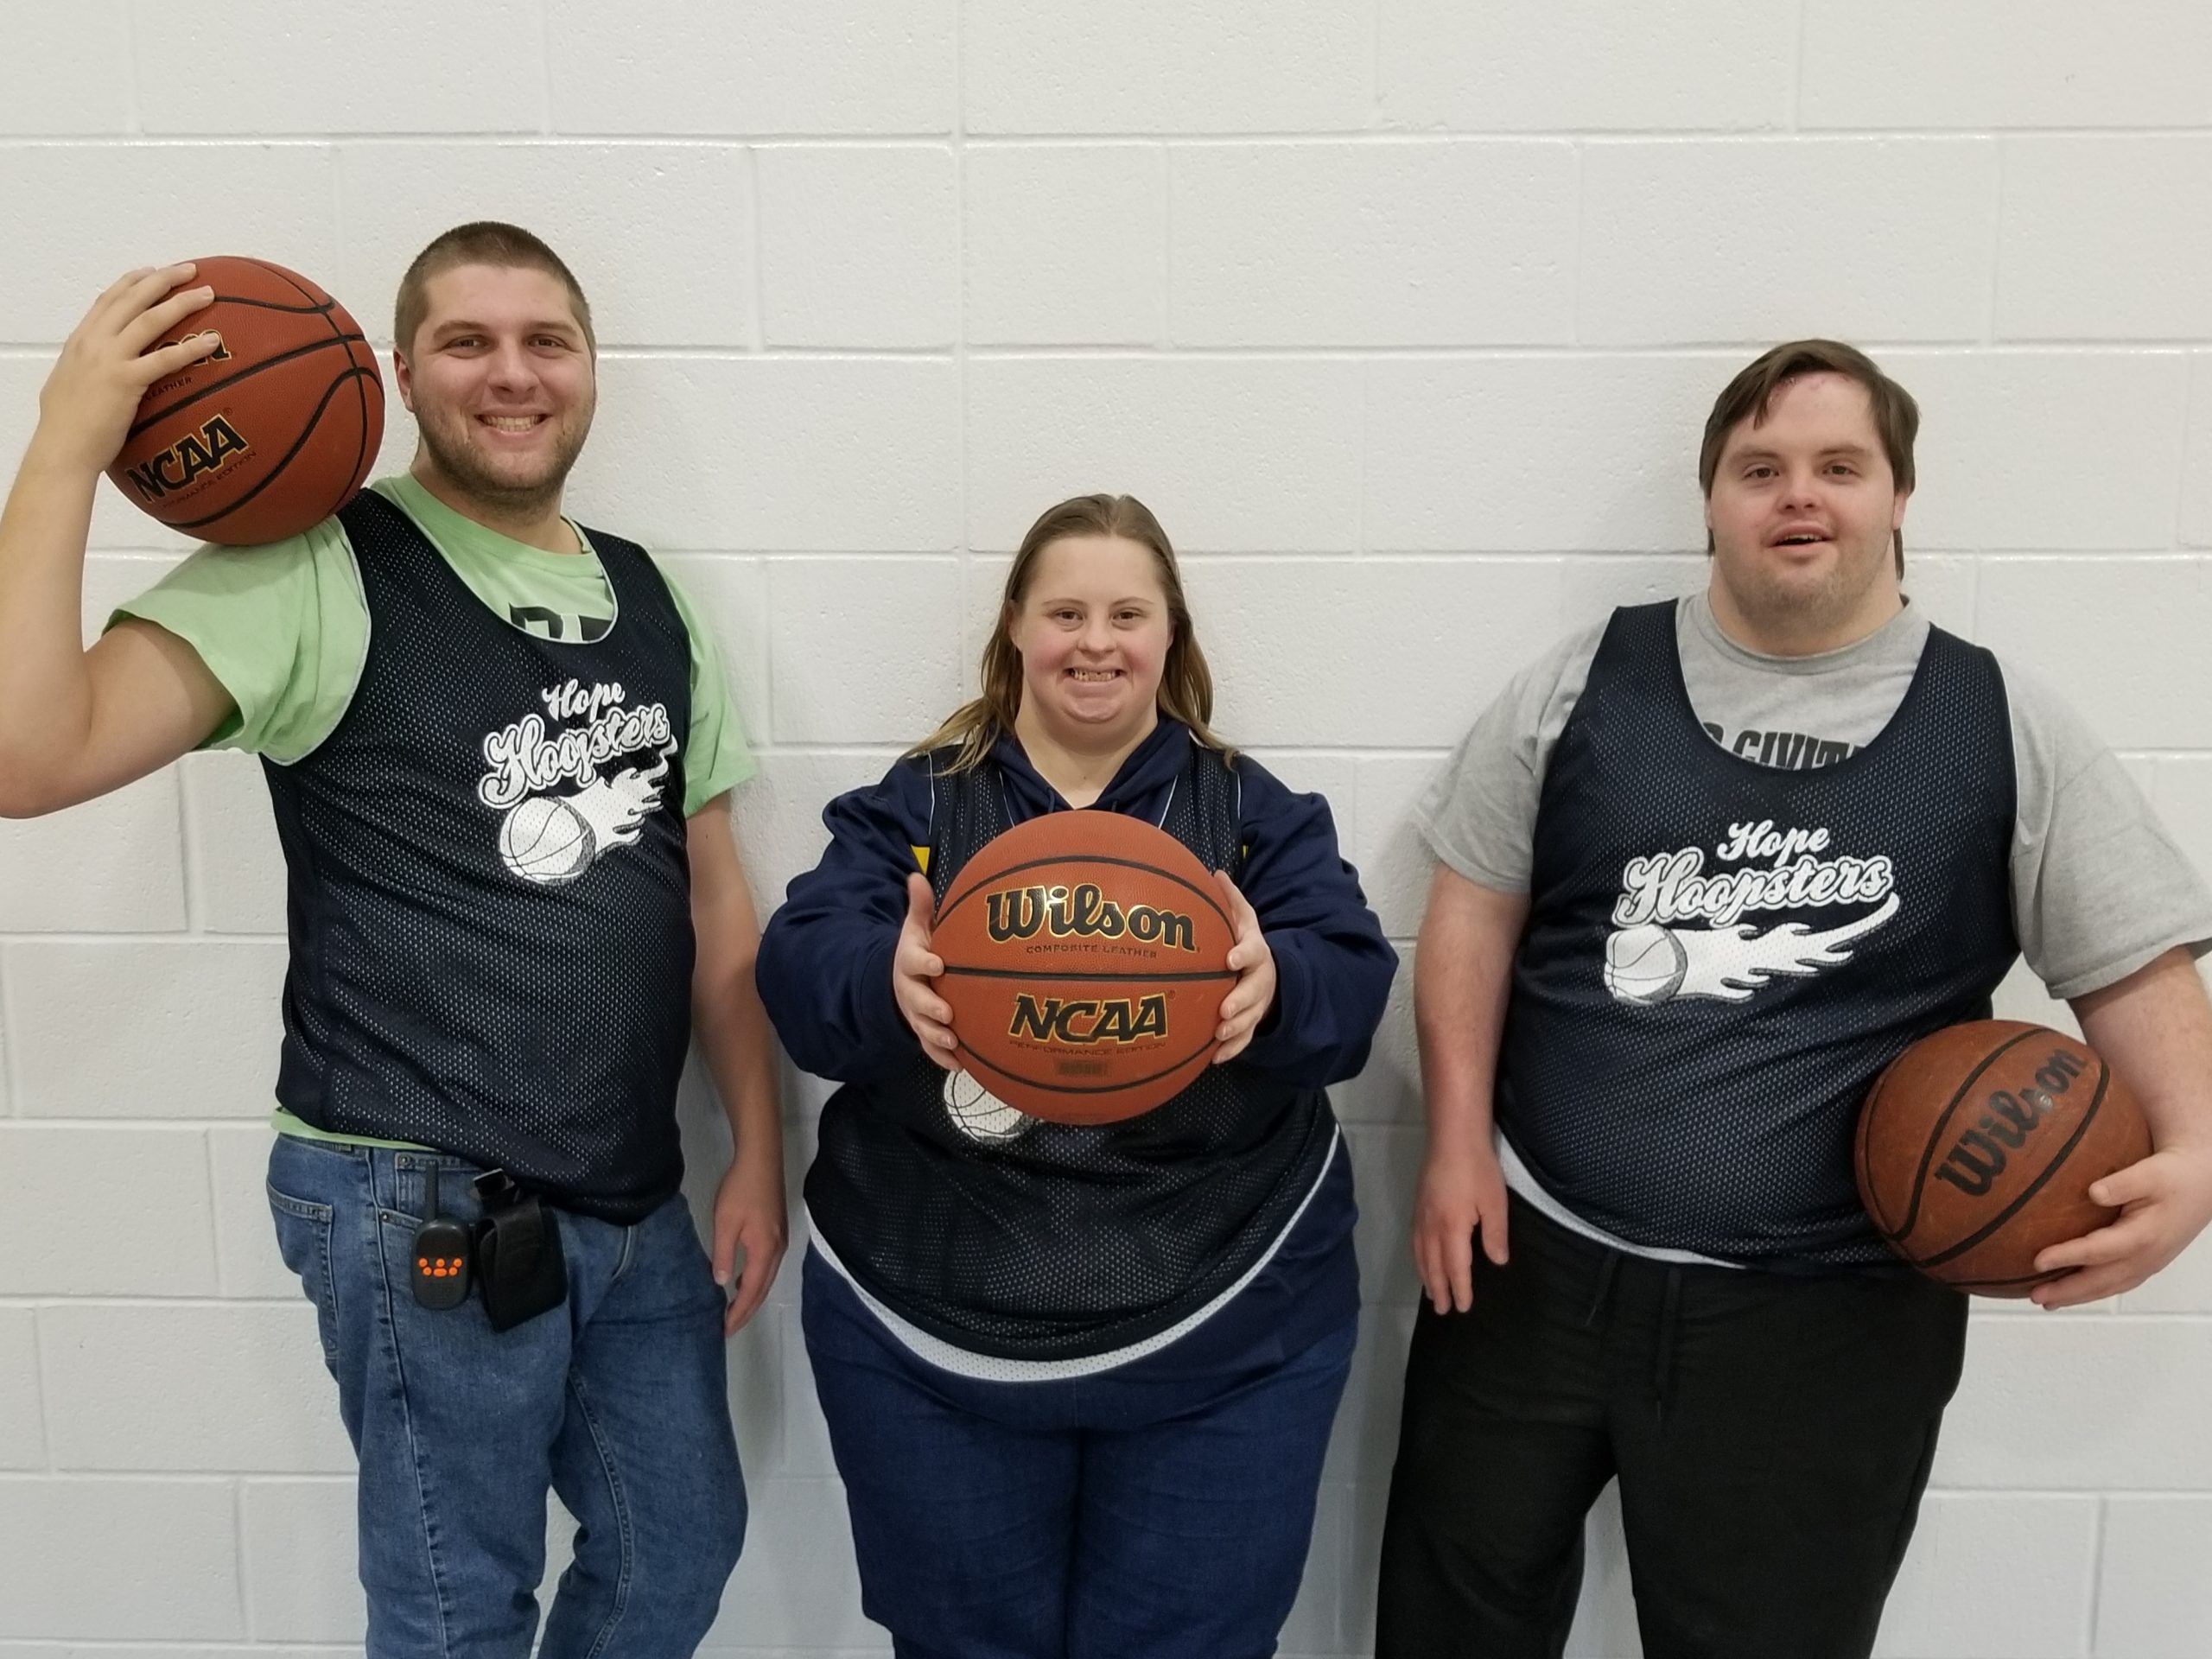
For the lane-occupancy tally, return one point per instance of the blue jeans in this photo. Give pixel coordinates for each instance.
(1161, 1515)
(616, 1400)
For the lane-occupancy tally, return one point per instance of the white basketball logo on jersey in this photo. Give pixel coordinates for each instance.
(1651, 959)
(550, 835)
(979, 1114)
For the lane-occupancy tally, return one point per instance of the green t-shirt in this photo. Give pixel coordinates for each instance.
(285, 629)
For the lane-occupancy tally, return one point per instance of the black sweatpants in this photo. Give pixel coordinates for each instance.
(1771, 1433)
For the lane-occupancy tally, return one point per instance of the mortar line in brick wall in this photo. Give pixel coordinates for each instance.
(2069, 555)
(11, 1078)
(1166, 337)
(1437, 137)
(1798, 61)
(790, 353)
(113, 1477)
(1360, 549)
(2010, 129)
(186, 845)
(545, 70)
(45, 1392)
(138, 1124)
(1582, 241)
(133, 120)
(141, 938)
(758, 320)
(2189, 401)
(1375, 116)
(969, 646)
(1566, 351)
(215, 1203)
(42, 351)
(813, 555)
(74, 1298)
(1996, 248)
(182, 1125)
(1364, 137)
(241, 1580)
(2093, 1601)
(2134, 1494)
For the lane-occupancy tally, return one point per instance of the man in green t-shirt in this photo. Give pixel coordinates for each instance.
(499, 749)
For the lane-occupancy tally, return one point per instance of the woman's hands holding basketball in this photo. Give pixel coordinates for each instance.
(91, 397)
(1462, 1192)
(1254, 964)
(913, 965)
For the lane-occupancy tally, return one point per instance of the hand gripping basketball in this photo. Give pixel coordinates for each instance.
(93, 395)
(913, 965)
(1254, 964)
(274, 431)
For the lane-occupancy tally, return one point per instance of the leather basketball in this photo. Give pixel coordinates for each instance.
(271, 434)
(1976, 1149)
(1086, 955)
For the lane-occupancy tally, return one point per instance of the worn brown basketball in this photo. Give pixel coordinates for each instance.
(1977, 1147)
(273, 434)
(1086, 955)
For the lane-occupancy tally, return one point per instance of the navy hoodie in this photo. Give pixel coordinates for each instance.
(824, 967)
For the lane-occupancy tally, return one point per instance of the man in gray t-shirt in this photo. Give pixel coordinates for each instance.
(1693, 1301)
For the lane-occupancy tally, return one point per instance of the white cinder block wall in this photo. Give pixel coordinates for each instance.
(1403, 313)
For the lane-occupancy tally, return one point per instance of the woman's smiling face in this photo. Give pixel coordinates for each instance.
(1093, 630)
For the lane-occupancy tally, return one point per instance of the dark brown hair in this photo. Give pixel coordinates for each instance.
(1186, 683)
(484, 242)
(1748, 396)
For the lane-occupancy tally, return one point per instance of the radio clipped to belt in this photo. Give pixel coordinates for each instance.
(511, 1257)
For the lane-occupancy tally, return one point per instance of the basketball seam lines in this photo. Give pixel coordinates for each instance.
(361, 443)
(321, 310)
(1084, 858)
(1132, 975)
(229, 381)
(276, 472)
(2035, 1187)
(975, 1058)
(1927, 1152)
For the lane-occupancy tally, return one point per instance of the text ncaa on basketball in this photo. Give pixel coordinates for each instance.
(1703, 871)
(499, 749)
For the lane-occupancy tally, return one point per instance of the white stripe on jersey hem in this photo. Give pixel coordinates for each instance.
(986, 1368)
(1518, 1179)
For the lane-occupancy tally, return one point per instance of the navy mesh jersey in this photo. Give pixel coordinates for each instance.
(1721, 957)
(1048, 1241)
(489, 898)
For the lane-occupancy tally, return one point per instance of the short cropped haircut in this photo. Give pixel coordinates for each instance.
(485, 242)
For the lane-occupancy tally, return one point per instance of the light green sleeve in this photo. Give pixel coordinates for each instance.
(715, 756)
(284, 628)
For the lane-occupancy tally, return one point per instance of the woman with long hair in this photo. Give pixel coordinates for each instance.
(1079, 1380)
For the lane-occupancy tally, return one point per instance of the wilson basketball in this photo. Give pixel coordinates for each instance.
(1086, 955)
(273, 434)
(1977, 1146)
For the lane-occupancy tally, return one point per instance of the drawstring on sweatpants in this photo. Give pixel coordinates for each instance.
(1662, 1355)
(1664, 1340)
(1607, 1268)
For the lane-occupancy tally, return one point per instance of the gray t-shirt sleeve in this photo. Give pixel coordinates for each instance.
(2099, 888)
(1478, 815)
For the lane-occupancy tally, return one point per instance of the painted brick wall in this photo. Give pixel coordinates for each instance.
(1403, 313)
